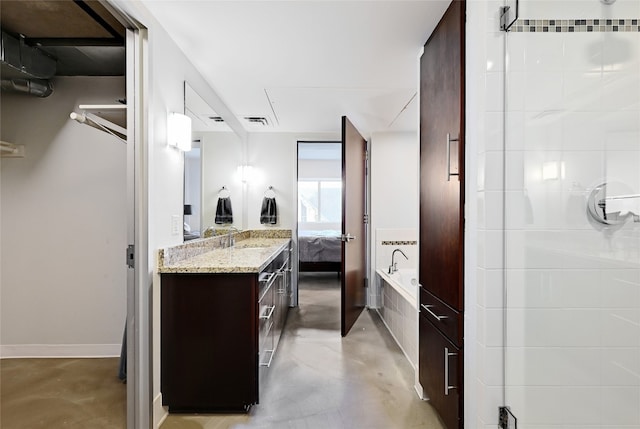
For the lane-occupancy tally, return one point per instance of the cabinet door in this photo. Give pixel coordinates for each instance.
(208, 342)
(442, 158)
(441, 374)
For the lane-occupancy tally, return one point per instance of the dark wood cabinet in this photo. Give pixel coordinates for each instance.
(441, 266)
(219, 336)
(442, 159)
(441, 363)
(209, 342)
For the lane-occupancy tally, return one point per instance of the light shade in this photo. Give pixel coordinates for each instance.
(179, 131)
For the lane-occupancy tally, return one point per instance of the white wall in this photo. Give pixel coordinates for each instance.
(395, 179)
(167, 68)
(274, 160)
(222, 153)
(63, 225)
(482, 364)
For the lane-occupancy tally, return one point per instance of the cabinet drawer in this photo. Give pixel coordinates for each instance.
(445, 318)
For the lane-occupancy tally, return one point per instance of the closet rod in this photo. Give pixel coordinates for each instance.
(10, 150)
(101, 124)
(7, 147)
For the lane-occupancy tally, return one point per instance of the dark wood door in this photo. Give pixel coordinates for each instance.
(441, 374)
(442, 159)
(353, 210)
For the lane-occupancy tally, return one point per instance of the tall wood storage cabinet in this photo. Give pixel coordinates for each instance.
(442, 216)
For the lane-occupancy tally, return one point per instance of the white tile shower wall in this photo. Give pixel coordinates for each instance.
(573, 292)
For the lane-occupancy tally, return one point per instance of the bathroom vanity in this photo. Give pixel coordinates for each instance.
(222, 313)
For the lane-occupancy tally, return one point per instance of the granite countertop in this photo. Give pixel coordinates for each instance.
(251, 253)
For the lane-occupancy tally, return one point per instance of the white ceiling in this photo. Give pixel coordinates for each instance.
(304, 64)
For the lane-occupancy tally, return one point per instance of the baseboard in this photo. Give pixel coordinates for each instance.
(14, 351)
(160, 413)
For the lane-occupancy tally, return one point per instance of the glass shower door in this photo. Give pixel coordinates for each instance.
(572, 206)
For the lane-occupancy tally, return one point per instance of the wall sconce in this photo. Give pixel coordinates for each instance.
(245, 173)
(179, 131)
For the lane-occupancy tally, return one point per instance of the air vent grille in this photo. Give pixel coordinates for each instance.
(257, 120)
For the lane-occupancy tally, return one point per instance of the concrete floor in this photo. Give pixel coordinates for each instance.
(320, 380)
(61, 393)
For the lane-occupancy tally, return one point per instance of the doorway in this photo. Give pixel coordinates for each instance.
(68, 204)
(319, 221)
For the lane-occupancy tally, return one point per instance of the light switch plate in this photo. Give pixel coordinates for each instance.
(175, 224)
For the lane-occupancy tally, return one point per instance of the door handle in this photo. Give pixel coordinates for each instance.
(446, 371)
(348, 237)
(449, 173)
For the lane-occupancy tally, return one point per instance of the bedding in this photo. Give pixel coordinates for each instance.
(320, 250)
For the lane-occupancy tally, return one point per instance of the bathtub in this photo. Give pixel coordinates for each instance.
(405, 282)
(399, 310)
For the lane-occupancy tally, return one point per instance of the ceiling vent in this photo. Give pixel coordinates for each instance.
(257, 121)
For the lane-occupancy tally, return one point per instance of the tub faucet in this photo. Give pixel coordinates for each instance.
(394, 265)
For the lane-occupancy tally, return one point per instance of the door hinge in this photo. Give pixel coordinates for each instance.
(366, 155)
(366, 282)
(131, 256)
(365, 219)
(506, 419)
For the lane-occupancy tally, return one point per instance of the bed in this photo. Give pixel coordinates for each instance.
(319, 251)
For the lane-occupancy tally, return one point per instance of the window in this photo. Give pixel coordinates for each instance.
(320, 201)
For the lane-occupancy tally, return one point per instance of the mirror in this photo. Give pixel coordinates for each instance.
(208, 168)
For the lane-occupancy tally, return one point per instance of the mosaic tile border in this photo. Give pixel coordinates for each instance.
(576, 26)
(399, 243)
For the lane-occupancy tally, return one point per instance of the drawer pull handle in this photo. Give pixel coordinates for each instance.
(268, 364)
(446, 371)
(268, 316)
(449, 140)
(428, 309)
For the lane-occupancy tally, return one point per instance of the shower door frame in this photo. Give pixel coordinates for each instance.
(516, 266)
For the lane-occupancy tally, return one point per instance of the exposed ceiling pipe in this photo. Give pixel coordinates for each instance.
(37, 87)
(25, 69)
